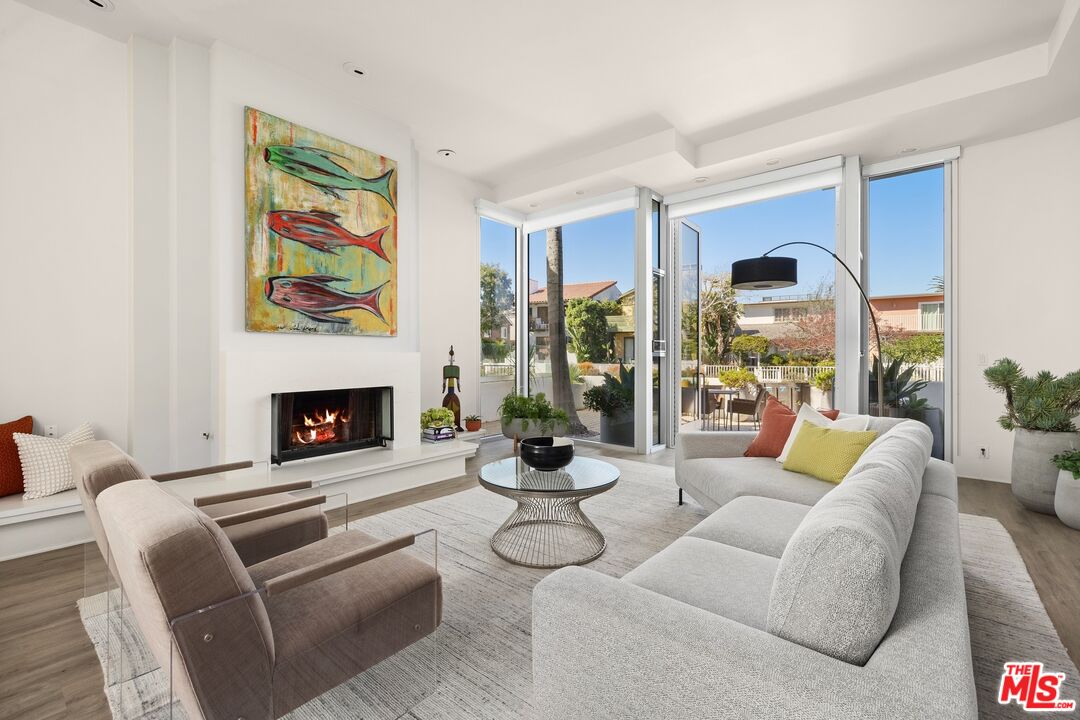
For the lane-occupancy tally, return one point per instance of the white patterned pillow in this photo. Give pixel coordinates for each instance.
(45, 464)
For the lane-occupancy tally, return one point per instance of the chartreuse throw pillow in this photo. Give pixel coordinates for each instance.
(827, 453)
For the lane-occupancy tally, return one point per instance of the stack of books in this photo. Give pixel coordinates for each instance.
(438, 434)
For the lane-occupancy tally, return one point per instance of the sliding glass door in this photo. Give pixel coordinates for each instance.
(498, 317)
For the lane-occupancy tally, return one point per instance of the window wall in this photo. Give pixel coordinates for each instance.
(907, 285)
(498, 315)
(582, 332)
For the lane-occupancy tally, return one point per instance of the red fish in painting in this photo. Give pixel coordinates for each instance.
(312, 295)
(320, 230)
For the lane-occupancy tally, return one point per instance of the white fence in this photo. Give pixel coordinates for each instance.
(778, 373)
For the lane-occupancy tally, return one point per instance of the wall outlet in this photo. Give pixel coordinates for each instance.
(984, 453)
(50, 431)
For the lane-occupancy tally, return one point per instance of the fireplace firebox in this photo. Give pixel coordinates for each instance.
(320, 422)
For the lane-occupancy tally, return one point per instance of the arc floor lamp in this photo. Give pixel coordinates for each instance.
(770, 273)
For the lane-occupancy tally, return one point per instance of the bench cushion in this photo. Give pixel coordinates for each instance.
(758, 524)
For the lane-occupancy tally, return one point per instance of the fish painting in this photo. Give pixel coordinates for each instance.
(320, 230)
(316, 166)
(319, 226)
(313, 296)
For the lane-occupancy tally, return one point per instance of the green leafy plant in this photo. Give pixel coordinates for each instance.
(738, 378)
(529, 410)
(436, 417)
(918, 349)
(825, 380)
(472, 418)
(615, 396)
(494, 350)
(575, 374)
(587, 325)
(1044, 402)
(1068, 461)
(900, 390)
(750, 345)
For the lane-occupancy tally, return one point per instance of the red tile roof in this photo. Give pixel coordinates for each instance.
(572, 291)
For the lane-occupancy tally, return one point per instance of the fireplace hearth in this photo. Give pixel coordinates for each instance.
(321, 422)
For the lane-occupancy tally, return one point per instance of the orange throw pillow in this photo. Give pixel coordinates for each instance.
(776, 422)
(11, 477)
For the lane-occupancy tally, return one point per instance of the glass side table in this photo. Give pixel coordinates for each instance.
(548, 528)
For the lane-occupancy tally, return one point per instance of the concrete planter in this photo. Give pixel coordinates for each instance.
(1034, 477)
(618, 430)
(1067, 499)
(514, 430)
(579, 395)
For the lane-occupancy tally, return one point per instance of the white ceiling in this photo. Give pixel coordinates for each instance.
(540, 99)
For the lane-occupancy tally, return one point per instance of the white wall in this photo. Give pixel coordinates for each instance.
(449, 283)
(1018, 283)
(64, 238)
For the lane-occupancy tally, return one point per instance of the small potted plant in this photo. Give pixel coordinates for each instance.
(614, 400)
(523, 416)
(1067, 497)
(473, 423)
(1040, 411)
(437, 424)
(823, 383)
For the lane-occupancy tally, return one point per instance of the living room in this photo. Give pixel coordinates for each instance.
(497, 360)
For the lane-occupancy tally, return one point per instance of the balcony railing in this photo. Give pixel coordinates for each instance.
(933, 372)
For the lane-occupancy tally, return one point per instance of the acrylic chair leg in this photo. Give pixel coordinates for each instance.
(680, 496)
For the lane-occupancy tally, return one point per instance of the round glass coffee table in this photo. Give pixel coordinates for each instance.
(548, 529)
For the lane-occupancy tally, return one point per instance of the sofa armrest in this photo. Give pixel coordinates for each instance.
(606, 648)
(691, 444)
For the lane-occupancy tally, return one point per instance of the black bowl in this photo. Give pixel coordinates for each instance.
(544, 453)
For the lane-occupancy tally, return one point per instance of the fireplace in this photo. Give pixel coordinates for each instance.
(321, 422)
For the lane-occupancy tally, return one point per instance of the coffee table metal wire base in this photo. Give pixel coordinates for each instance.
(547, 532)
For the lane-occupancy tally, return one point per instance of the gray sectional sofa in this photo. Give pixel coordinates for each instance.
(794, 599)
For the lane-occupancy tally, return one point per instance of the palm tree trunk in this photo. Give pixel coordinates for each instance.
(562, 394)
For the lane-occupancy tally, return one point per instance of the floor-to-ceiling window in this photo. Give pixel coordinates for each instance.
(907, 285)
(582, 333)
(498, 315)
(737, 344)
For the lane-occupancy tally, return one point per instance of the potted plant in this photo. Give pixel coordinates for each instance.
(437, 423)
(824, 382)
(473, 423)
(523, 416)
(1040, 410)
(742, 379)
(1067, 496)
(614, 400)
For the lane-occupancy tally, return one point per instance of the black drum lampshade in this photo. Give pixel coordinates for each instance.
(764, 273)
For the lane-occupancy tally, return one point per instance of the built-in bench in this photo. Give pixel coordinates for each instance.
(33, 526)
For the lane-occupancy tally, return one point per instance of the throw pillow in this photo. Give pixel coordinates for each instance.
(45, 464)
(776, 422)
(827, 453)
(808, 414)
(11, 476)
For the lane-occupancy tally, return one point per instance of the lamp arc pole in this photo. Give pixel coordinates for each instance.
(869, 309)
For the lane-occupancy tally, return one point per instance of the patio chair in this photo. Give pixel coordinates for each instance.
(258, 642)
(753, 408)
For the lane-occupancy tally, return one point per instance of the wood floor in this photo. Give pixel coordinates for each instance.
(48, 668)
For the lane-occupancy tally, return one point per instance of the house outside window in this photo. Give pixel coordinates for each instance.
(932, 316)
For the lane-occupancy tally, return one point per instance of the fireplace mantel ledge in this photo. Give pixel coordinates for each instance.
(365, 463)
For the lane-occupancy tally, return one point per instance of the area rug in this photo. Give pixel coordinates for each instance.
(484, 642)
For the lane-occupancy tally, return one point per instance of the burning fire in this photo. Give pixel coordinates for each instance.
(321, 429)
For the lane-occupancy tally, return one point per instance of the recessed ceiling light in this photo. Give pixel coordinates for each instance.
(105, 5)
(772, 161)
(534, 204)
(445, 152)
(579, 192)
(701, 179)
(349, 67)
(908, 150)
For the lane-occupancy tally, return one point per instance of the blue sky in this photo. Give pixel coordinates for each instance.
(905, 223)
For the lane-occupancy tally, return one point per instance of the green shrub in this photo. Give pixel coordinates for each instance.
(825, 380)
(747, 344)
(1044, 402)
(916, 349)
(738, 378)
(494, 350)
(614, 396)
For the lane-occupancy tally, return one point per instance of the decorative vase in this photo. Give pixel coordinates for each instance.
(473, 425)
(1034, 477)
(1067, 499)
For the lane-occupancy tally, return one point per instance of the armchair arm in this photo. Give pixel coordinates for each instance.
(254, 492)
(649, 656)
(333, 565)
(691, 444)
(196, 472)
(265, 512)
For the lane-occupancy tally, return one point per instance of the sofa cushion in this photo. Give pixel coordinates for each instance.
(827, 453)
(11, 474)
(808, 414)
(722, 579)
(838, 581)
(716, 481)
(776, 423)
(758, 524)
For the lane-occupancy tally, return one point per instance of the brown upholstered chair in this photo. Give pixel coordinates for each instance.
(753, 408)
(258, 642)
(260, 523)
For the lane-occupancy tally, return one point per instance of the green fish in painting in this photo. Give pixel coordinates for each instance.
(316, 166)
